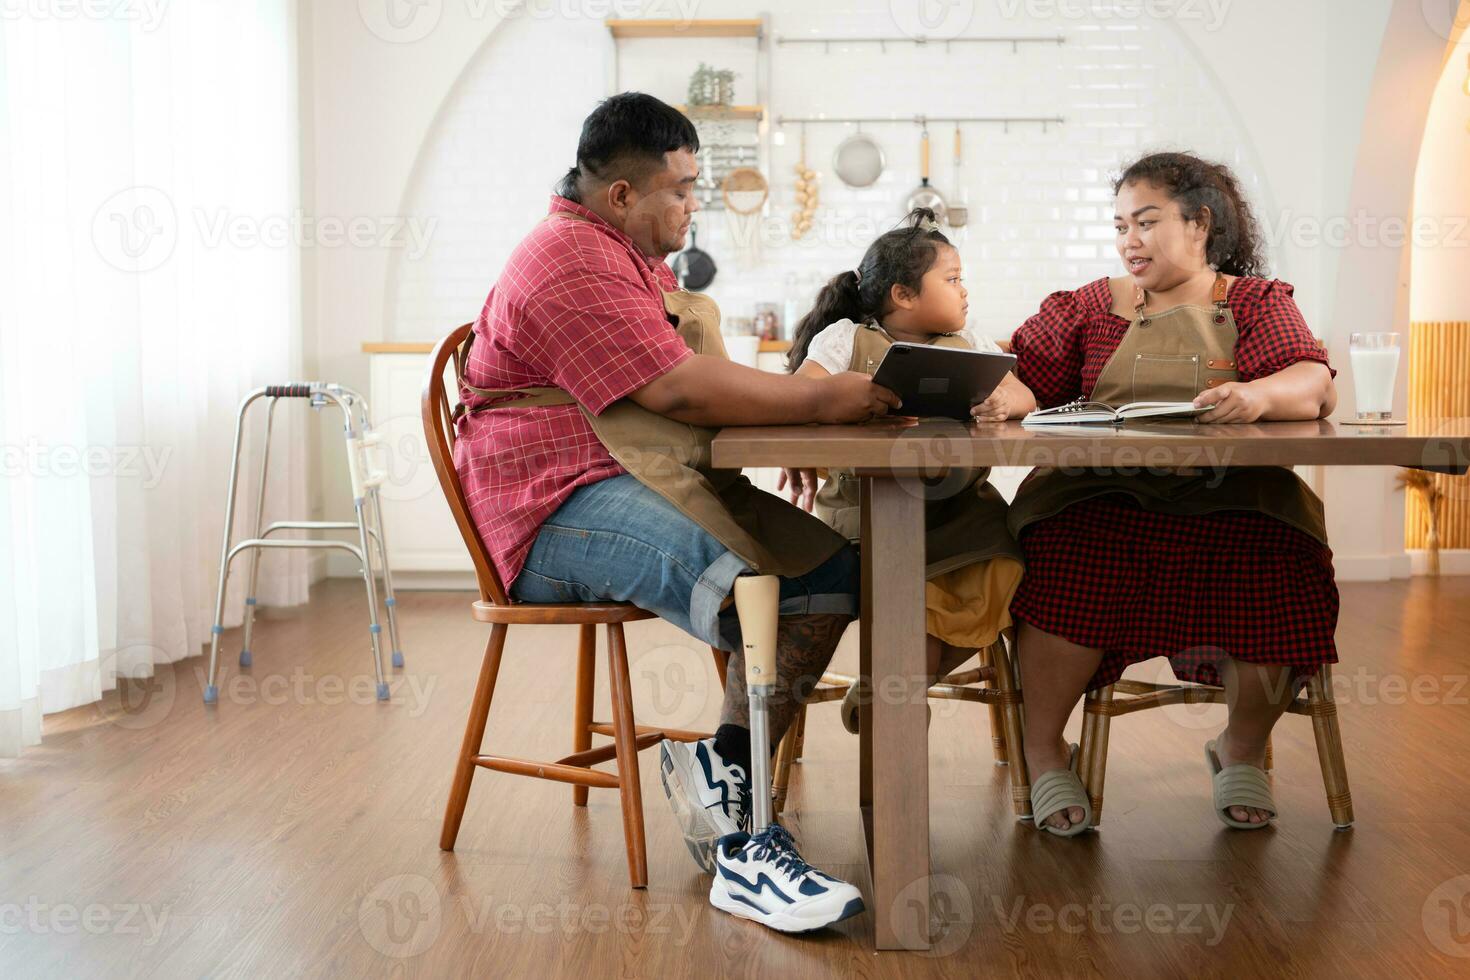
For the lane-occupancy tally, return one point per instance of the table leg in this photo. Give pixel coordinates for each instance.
(893, 788)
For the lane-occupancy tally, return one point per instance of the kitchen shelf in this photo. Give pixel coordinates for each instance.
(750, 27)
(754, 113)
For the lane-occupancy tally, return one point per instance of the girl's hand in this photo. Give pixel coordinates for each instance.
(996, 408)
(1010, 400)
(803, 484)
(1233, 401)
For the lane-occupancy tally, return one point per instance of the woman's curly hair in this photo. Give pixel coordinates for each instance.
(1234, 243)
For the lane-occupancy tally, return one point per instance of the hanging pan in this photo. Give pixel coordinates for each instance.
(925, 196)
(858, 161)
(694, 267)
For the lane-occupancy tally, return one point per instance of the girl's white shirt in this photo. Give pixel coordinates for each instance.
(832, 348)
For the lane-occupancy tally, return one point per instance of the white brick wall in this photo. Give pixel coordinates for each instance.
(1039, 202)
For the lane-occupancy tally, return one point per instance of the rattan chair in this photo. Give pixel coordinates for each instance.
(1128, 696)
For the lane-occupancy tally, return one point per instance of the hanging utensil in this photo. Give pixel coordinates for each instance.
(958, 213)
(744, 190)
(806, 193)
(858, 161)
(925, 196)
(694, 268)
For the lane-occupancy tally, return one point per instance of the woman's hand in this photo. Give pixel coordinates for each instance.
(1010, 399)
(803, 484)
(1233, 401)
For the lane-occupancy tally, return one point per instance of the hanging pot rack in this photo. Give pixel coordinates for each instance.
(923, 121)
(883, 42)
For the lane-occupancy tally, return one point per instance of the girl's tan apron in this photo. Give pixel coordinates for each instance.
(673, 459)
(1173, 356)
(965, 518)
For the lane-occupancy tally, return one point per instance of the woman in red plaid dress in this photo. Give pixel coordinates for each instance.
(1229, 592)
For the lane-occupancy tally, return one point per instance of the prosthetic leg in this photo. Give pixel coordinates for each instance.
(760, 875)
(756, 600)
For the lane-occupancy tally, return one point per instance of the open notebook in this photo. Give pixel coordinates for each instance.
(1078, 412)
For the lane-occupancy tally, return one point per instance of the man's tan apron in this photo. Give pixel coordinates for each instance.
(1173, 356)
(672, 458)
(965, 517)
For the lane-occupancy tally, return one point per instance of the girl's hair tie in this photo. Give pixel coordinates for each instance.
(857, 275)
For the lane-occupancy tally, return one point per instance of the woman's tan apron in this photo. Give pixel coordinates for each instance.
(672, 458)
(1173, 356)
(964, 517)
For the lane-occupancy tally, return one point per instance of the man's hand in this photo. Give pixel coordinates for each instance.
(1233, 401)
(853, 397)
(803, 486)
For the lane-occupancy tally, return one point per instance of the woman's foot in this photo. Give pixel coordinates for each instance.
(1231, 753)
(1044, 759)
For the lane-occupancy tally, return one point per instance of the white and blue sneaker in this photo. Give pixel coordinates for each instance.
(710, 796)
(764, 879)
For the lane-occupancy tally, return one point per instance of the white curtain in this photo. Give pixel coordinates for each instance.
(149, 277)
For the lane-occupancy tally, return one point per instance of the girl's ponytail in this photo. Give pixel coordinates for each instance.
(899, 257)
(838, 300)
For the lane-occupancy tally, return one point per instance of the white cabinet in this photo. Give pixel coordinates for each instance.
(424, 543)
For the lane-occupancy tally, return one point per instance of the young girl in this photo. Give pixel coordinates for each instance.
(908, 287)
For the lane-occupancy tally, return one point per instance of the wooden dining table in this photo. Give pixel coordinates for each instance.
(894, 459)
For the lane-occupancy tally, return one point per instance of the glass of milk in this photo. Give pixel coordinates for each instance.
(1375, 358)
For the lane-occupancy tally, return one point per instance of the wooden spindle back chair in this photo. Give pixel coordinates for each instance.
(495, 607)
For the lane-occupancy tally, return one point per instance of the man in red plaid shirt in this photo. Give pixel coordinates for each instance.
(579, 306)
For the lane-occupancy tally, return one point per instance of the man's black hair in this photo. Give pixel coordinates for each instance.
(626, 138)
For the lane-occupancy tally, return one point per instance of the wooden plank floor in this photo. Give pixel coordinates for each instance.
(293, 830)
